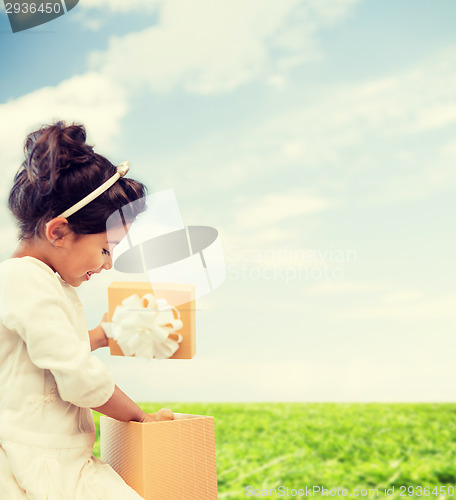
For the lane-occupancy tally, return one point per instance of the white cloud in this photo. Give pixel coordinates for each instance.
(256, 221)
(347, 286)
(91, 99)
(329, 11)
(406, 306)
(349, 135)
(93, 14)
(434, 116)
(262, 211)
(119, 6)
(409, 103)
(403, 297)
(214, 46)
(384, 300)
(89, 22)
(370, 139)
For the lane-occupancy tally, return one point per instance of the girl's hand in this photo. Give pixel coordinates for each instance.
(97, 335)
(162, 414)
(148, 417)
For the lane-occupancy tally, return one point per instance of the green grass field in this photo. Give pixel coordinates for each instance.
(352, 446)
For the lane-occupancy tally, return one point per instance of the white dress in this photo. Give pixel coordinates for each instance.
(48, 382)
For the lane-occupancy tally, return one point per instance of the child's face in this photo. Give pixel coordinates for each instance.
(87, 254)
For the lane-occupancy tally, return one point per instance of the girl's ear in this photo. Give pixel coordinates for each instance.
(56, 230)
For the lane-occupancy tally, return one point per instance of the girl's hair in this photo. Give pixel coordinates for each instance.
(58, 171)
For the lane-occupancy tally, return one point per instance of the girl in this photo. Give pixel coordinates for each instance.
(49, 381)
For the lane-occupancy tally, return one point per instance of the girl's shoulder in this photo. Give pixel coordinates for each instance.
(24, 278)
(26, 261)
(27, 267)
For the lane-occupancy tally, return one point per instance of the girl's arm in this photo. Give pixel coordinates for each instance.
(97, 335)
(97, 338)
(120, 407)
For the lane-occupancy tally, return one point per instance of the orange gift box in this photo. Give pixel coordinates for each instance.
(175, 293)
(169, 460)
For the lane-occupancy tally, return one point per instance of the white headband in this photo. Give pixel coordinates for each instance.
(122, 169)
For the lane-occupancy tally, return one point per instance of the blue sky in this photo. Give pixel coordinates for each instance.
(318, 137)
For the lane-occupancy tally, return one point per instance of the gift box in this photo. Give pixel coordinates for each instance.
(181, 296)
(167, 460)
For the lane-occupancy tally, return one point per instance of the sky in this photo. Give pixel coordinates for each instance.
(318, 138)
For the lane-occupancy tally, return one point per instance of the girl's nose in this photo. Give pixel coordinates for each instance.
(108, 264)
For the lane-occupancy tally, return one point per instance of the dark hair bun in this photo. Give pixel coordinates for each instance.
(58, 171)
(53, 149)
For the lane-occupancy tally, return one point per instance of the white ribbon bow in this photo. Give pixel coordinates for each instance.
(141, 327)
